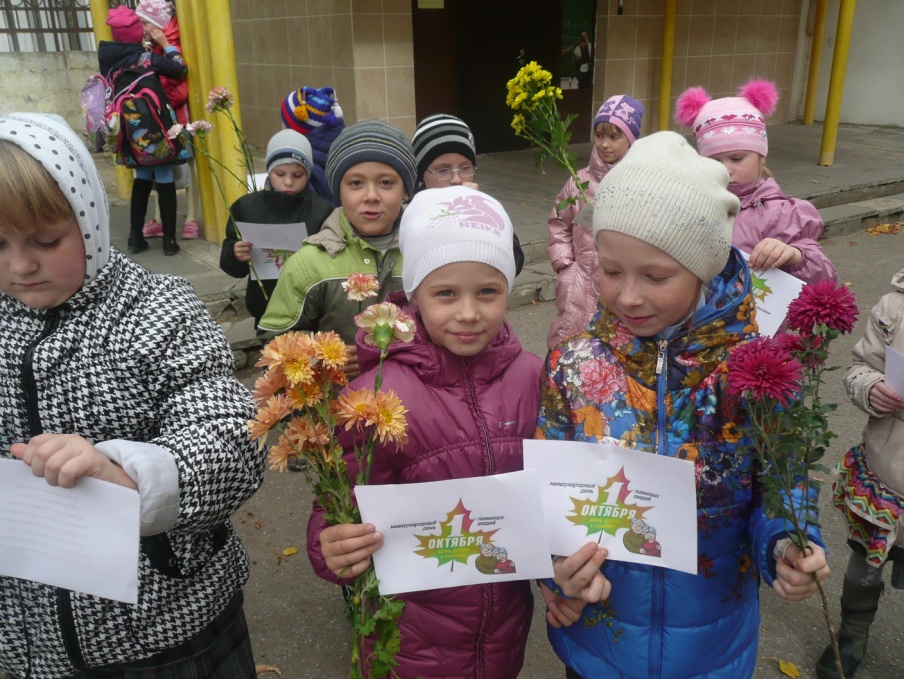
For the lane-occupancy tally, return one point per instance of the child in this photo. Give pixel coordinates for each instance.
(675, 298)
(124, 61)
(870, 484)
(777, 231)
(446, 156)
(112, 372)
(572, 251)
(463, 368)
(285, 199)
(371, 169)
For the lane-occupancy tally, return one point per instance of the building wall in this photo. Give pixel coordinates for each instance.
(719, 44)
(361, 48)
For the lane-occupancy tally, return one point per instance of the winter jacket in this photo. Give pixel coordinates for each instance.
(766, 212)
(269, 207)
(467, 417)
(309, 294)
(872, 492)
(114, 56)
(321, 139)
(604, 382)
(572, 253)
(133, 363)
(176, 88)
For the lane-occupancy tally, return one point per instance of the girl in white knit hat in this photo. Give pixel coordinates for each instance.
(649, 371)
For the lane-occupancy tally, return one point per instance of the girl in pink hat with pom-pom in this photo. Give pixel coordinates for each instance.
(778, 231)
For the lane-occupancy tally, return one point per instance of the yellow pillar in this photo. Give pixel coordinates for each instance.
(665, 69)
(99, 10)
(836, 83)
(819, 36)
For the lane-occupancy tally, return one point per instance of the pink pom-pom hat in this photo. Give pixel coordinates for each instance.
(729, 124)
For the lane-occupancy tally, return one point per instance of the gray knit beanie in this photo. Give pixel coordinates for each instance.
(289, 146)
(439, 134)
(371, 140)
(665, 194)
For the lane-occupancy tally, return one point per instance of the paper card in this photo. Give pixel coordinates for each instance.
(472, 531)
(641, 507)
(773, 291)
(83, 538)
(894, 370)
(273, 245)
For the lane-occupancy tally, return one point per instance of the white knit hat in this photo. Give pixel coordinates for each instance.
(665, 194)
(454, 224)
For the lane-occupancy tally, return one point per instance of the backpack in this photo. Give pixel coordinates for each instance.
(139, 118)
(94, 98)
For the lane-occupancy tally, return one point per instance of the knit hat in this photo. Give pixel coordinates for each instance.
(158, 12)
(440, 134)
(125, 25)
(371, 140)
(625, 112)
(667, 195)
(309, 108)
(289, 146)
(729, 124)
(454, 224)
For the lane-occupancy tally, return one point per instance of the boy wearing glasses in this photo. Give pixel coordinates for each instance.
(446, 156)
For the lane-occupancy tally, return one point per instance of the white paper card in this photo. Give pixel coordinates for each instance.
(83, 538)
(273, 245)
(773, 291)
(894, 370)
(641, 507)
(453, 533)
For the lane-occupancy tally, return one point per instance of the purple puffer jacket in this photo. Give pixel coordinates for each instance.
(766, 212)
(466, 417)
(572, 254)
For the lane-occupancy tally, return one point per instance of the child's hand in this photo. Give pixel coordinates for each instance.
(770, 253)
(579, 575)
(62, 459)
(794, 572)
(884, 399)
(561, 612)
(242, 250)
(347, 547)
(157, 36)
(352, 369)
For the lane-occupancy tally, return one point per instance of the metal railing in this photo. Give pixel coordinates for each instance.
(48, 25)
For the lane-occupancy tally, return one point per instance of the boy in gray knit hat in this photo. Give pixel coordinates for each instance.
(371, 168)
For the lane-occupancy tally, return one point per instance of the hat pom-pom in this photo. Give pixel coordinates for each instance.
(690, 104)
(301, 112)
(337, 111)
(762, 94)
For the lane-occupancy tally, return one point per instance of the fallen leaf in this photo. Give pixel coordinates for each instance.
(814, 181)
(258, 524)
(789, 669)
(289, 551)
(263, 669)
(885, 229)
(852, 242)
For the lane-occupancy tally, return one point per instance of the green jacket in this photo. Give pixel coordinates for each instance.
(309, 294)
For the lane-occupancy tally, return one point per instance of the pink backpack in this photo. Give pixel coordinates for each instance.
(94, 99)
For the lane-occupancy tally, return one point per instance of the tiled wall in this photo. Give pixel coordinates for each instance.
(719, 44)
(362, 48)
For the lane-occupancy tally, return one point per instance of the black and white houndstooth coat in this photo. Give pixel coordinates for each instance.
(133, 363)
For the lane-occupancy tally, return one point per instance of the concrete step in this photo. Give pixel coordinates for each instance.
(835, 195)
(844, 219)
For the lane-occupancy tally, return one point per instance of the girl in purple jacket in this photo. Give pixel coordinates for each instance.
(472, 396)
(777, 231)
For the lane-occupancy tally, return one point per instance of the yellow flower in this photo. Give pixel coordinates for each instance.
(387, 414)
(518, 123)
(330, 349)
(304, 395)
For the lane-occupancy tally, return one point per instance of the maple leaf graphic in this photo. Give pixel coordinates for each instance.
(449, 547)
(759, 288)
(607, 514)
(279, 257)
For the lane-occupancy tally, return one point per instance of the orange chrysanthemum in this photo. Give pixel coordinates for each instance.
(387, 414)
(330, 349)
(305, 395)
(352, 407)
(279, 455)
(293, 353)
(268, 415)
(269, 384)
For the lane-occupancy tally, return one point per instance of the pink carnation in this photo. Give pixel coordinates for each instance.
(762, 369)
(361, 286)
(219, 99)
(823, 303)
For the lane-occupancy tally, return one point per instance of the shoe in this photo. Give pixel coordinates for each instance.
(858, 608)
(170, 247)
(153, 229)
(191, 230)
(137, 244)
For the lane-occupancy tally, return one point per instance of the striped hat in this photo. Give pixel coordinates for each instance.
(440, 134)
(371, 140)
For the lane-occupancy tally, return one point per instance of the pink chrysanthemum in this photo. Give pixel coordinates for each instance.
(806, 349)
(823, 303)
(763, 369)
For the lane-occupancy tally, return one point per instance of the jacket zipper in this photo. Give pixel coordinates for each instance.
(35, 428)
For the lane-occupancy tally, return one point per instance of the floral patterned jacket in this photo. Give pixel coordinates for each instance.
(668, 397)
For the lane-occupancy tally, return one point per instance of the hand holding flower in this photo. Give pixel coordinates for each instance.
(796, 574)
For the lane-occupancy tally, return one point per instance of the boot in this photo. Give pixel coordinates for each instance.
(141, 191)
(858, 608)
(166, 196)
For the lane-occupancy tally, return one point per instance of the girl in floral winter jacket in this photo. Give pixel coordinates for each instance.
(649, 371)
(470, 390)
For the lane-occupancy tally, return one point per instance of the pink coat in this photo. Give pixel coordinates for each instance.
(572, 253)
(766, 212)
(466, 417)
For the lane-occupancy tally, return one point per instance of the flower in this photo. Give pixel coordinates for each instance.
(292, 353)
(823, 303)
(763, 368)
(807, 349)
(387, 415)
(174, 131)
(219, 99)
(330, 349)
(269, 384)
(199, 127)
(268, 416)
(384, 324)
(351, 408)
(361, 286)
